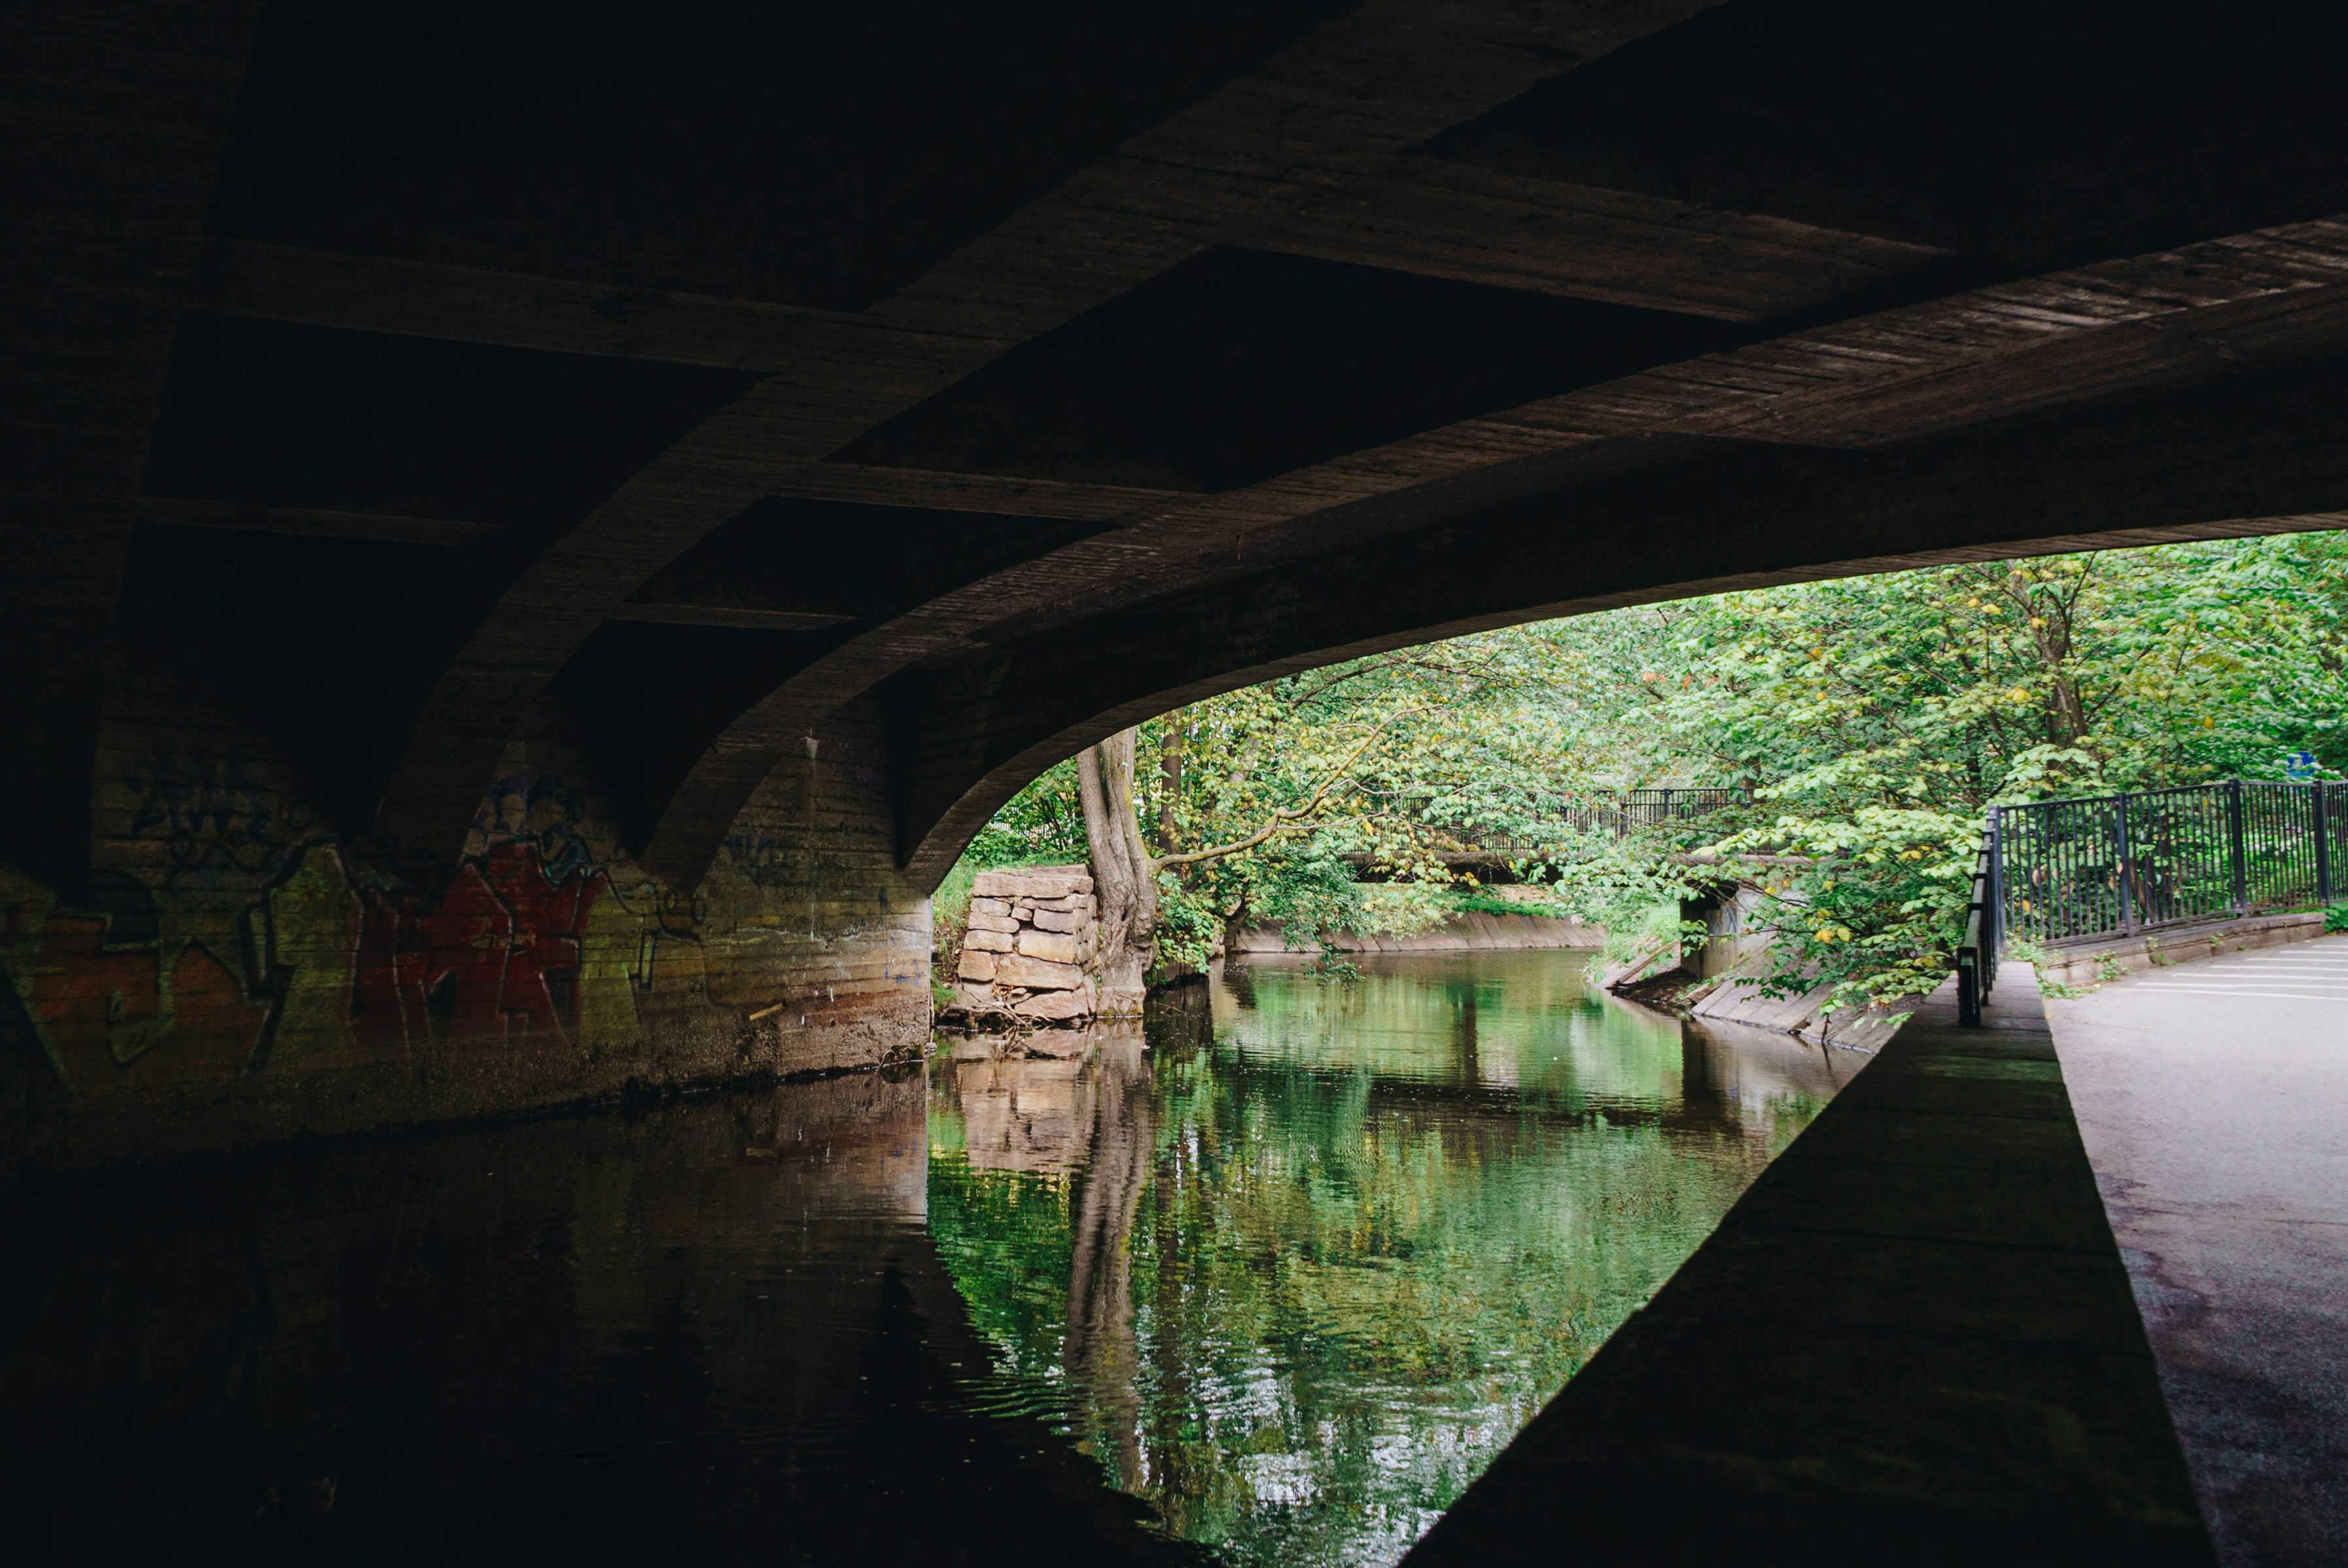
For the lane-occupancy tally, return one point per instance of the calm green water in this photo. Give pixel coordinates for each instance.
(1294, 1279)
(1291, 1280)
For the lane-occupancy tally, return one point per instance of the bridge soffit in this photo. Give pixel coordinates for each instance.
(1341, 153)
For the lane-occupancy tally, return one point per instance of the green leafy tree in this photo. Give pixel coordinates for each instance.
(1875, 719)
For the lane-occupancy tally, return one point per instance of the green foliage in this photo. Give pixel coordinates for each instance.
(1875, 719)
(1352, 1284)
(1878, 717)
(1958, 687)
(2336, 917)
(1042, 825)
(1478, 900)
(1878, 912)
(1382, 762)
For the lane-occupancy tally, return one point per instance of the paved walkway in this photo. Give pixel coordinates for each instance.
(2213, 1100)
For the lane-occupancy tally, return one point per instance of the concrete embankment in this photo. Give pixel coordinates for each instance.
(1472, 931)
(1727, 973)
(1723, 979)
(1736, 997)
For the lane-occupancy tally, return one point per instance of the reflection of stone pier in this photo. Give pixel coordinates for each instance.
(1033, 1102)
(1087, 1116)
(1023, 1114)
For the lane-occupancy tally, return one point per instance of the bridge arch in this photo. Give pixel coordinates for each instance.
(636, 503)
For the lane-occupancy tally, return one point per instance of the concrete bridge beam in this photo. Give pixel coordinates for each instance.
(2262, 454)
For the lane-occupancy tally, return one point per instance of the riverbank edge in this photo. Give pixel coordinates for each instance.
(1469, 931)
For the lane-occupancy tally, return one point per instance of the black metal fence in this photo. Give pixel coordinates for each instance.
(1977, 947)
(1625, 811)
(2065, 871)
(1616, 812)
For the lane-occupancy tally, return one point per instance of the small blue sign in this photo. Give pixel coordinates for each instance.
(2299, 767)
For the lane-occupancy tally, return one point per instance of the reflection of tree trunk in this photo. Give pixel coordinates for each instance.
(1101, 1353)
(1122, 873)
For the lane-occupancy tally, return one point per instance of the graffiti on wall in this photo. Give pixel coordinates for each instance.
(246, 938)
(220, 823)
(257, 940)
(513, 954)
(763, 858)
(102, 991)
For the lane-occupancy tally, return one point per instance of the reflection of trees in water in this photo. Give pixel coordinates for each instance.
(1320, 1271)
(1463, 1033)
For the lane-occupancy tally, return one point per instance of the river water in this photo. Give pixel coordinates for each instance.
(1269, 1285)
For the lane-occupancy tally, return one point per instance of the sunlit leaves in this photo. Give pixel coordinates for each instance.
(1874, 716)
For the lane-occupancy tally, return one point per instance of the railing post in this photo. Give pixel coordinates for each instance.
(2322, 846)
(1976, 955)
(2123, 863)
(2234, 839)
(1994, 917)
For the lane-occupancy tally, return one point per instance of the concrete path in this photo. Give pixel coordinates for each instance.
(2213, 1100)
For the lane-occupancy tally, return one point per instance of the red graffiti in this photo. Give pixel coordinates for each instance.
(497, 962)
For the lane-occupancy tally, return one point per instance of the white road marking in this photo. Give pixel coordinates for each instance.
(2240, 980)
(2323, 975)
(2242, 985)
(2292, 974)
(2252, 995)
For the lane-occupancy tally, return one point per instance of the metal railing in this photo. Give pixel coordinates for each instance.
(2068, 871)
(1619, 812)
(1977, 948)
(1625, 811)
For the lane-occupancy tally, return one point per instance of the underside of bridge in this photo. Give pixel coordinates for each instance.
(533, 534)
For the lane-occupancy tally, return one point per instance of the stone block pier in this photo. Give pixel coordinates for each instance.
(1029, 950)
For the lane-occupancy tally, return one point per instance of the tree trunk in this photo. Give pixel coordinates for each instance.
(1170, 782)
(1121, 874)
